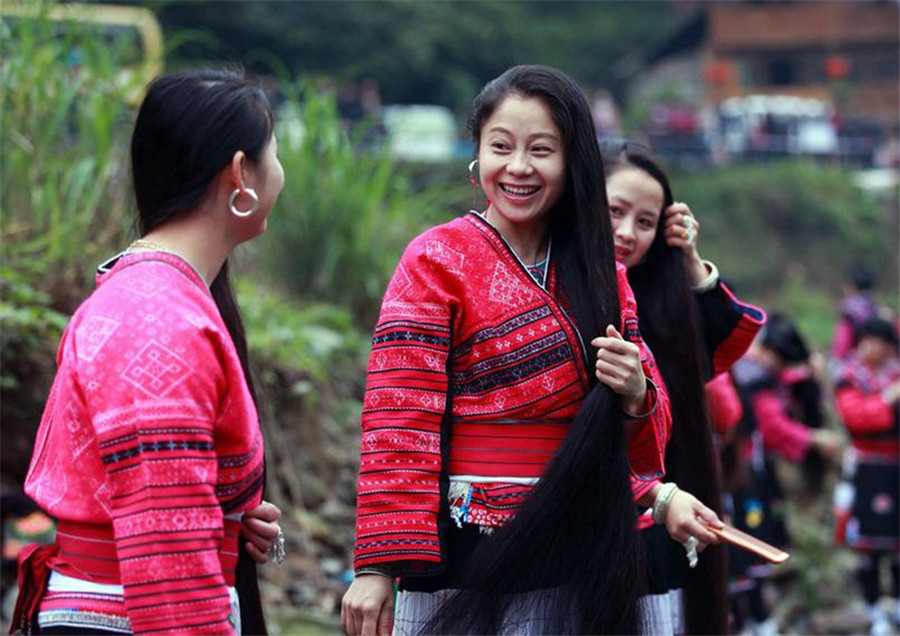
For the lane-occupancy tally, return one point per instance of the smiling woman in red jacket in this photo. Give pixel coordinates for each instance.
(507, 399)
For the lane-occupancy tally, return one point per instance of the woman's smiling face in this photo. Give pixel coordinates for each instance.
(521, 160)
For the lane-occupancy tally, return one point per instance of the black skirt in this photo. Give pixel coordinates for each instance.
(875, 517)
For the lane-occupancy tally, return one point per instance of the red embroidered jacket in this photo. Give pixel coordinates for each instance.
(467, 339)
(770, 410)
(724, 404)
(728, 326)
(871, 421)
(148, 439)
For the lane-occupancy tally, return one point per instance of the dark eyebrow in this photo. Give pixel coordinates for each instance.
(655, 213)
(544, 135)
(541, 135)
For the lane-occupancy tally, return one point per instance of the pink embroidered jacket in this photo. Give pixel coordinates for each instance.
(471, 355)
(149, 438)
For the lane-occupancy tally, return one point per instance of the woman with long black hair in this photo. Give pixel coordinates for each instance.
(150, 451)
(696, 329)
(509, 398)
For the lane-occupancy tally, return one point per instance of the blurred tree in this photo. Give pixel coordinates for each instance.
(420, 52)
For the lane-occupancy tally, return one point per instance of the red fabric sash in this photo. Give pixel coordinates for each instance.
(34, 572)
(88, 551)
(504, 449)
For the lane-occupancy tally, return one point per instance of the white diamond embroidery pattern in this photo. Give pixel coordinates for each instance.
(445, 255)
(398, 286)
(93, 334)
(505, 287)
(156, 370)
(141, 286)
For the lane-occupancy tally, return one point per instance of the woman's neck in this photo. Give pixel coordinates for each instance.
(192, 241)
(527, 240)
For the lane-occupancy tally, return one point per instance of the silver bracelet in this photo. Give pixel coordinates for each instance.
(654, 395)
(663, 499)
(386, 575)
(712, 277)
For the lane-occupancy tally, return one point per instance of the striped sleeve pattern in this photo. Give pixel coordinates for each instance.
(156, 438)
(729, 327)
(403, 409)
(647, 437)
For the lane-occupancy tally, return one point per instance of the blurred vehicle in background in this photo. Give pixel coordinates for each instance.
(420, 132)
(777, 125)
(759, 126)
(289, 124)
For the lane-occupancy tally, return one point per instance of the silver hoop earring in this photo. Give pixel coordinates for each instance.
(250, 192)
(472, 178)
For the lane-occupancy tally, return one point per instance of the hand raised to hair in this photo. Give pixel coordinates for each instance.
(682, 230)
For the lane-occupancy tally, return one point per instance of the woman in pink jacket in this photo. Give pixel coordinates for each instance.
(149, 450)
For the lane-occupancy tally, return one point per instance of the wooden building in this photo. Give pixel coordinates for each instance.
(844, 51)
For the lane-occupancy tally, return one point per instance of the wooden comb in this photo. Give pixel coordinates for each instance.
(750, 543)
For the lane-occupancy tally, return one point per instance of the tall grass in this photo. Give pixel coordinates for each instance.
(346, 211)
(64, 120)
(63, 194)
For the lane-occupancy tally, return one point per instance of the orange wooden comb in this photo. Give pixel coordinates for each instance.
(748, 542)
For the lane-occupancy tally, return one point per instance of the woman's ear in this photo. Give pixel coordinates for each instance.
(237, 169)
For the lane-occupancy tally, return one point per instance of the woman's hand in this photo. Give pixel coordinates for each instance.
(891, 393)
(619, 367)
(827, 442)
(682, 230)
(688, 517)
(368, 606)
(260, 528)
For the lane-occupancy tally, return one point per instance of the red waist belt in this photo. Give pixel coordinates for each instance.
(876, 450)
(506, 448)
(88, 551)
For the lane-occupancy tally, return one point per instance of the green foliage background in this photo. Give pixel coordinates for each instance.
(785, 232)
(420, 52)
(346, 212)
(782, 233)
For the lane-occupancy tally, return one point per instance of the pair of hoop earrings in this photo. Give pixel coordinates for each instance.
(254, 202)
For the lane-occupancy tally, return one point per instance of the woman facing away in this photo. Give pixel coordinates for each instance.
(149, 449)
(497, 444)
(696, 329)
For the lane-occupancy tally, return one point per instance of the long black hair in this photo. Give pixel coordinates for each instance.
(188, 128)
(576, 531)
(671, 327)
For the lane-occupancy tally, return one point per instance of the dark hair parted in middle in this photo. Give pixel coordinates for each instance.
(575, 537)
(671, 327)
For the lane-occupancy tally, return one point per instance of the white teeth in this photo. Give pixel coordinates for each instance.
(520, 190)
